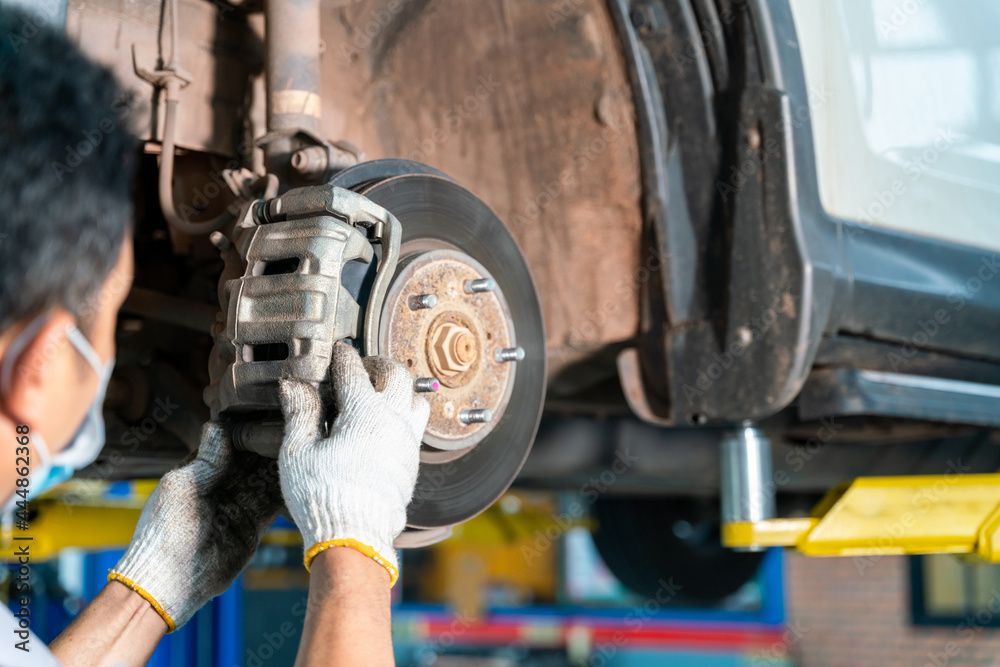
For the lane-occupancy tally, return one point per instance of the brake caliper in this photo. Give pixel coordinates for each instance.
(300, 275)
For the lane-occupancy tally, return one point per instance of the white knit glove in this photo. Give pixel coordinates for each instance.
(351, 489)
(200, 527)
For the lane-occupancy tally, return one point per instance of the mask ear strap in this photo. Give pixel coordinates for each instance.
(42, 449)
(16, 348)
(85, 349)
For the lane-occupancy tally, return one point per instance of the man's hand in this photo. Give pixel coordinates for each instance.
(351, 489)
(200, 527)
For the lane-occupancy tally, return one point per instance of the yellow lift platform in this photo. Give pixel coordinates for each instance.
(879, 516)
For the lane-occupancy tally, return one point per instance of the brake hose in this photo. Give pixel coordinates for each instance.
(171, 85)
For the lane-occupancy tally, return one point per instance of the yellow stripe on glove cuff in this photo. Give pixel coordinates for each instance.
(144, 594)
(360, 547)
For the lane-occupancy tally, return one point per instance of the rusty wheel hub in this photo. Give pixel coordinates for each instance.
(445, 317)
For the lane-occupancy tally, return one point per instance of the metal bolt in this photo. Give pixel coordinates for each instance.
(480, 285)
(510, 354)
(452, 350)
(310, 161)
(475, 416)
(419, 301)
(424, 385)
(220, 241)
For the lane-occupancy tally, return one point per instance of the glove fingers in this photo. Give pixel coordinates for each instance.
(350, 379)
(392, 380)
(216, 448)
(419, 414)
(303, 411)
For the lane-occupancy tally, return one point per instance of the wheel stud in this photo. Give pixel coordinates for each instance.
(421, 301)
(509, 354)
(424, 385)
(475, 416)
(480, 285)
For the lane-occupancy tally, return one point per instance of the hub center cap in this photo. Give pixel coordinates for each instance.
(452, 349)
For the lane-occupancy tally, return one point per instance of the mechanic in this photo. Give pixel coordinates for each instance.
(66, 169)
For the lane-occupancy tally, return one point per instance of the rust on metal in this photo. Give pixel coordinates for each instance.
(456, 342)
(453, 349)
(472, 88)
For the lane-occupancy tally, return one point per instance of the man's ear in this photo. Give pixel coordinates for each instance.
(41, 363)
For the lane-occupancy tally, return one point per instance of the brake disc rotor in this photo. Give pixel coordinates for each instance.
(397, 257)
(482, 341)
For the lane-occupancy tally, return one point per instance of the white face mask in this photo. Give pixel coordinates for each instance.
(87, 442)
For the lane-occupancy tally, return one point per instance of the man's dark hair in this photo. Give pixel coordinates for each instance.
(66, 168)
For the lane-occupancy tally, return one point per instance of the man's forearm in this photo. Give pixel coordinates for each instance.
(118, 628)
(347, 618)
